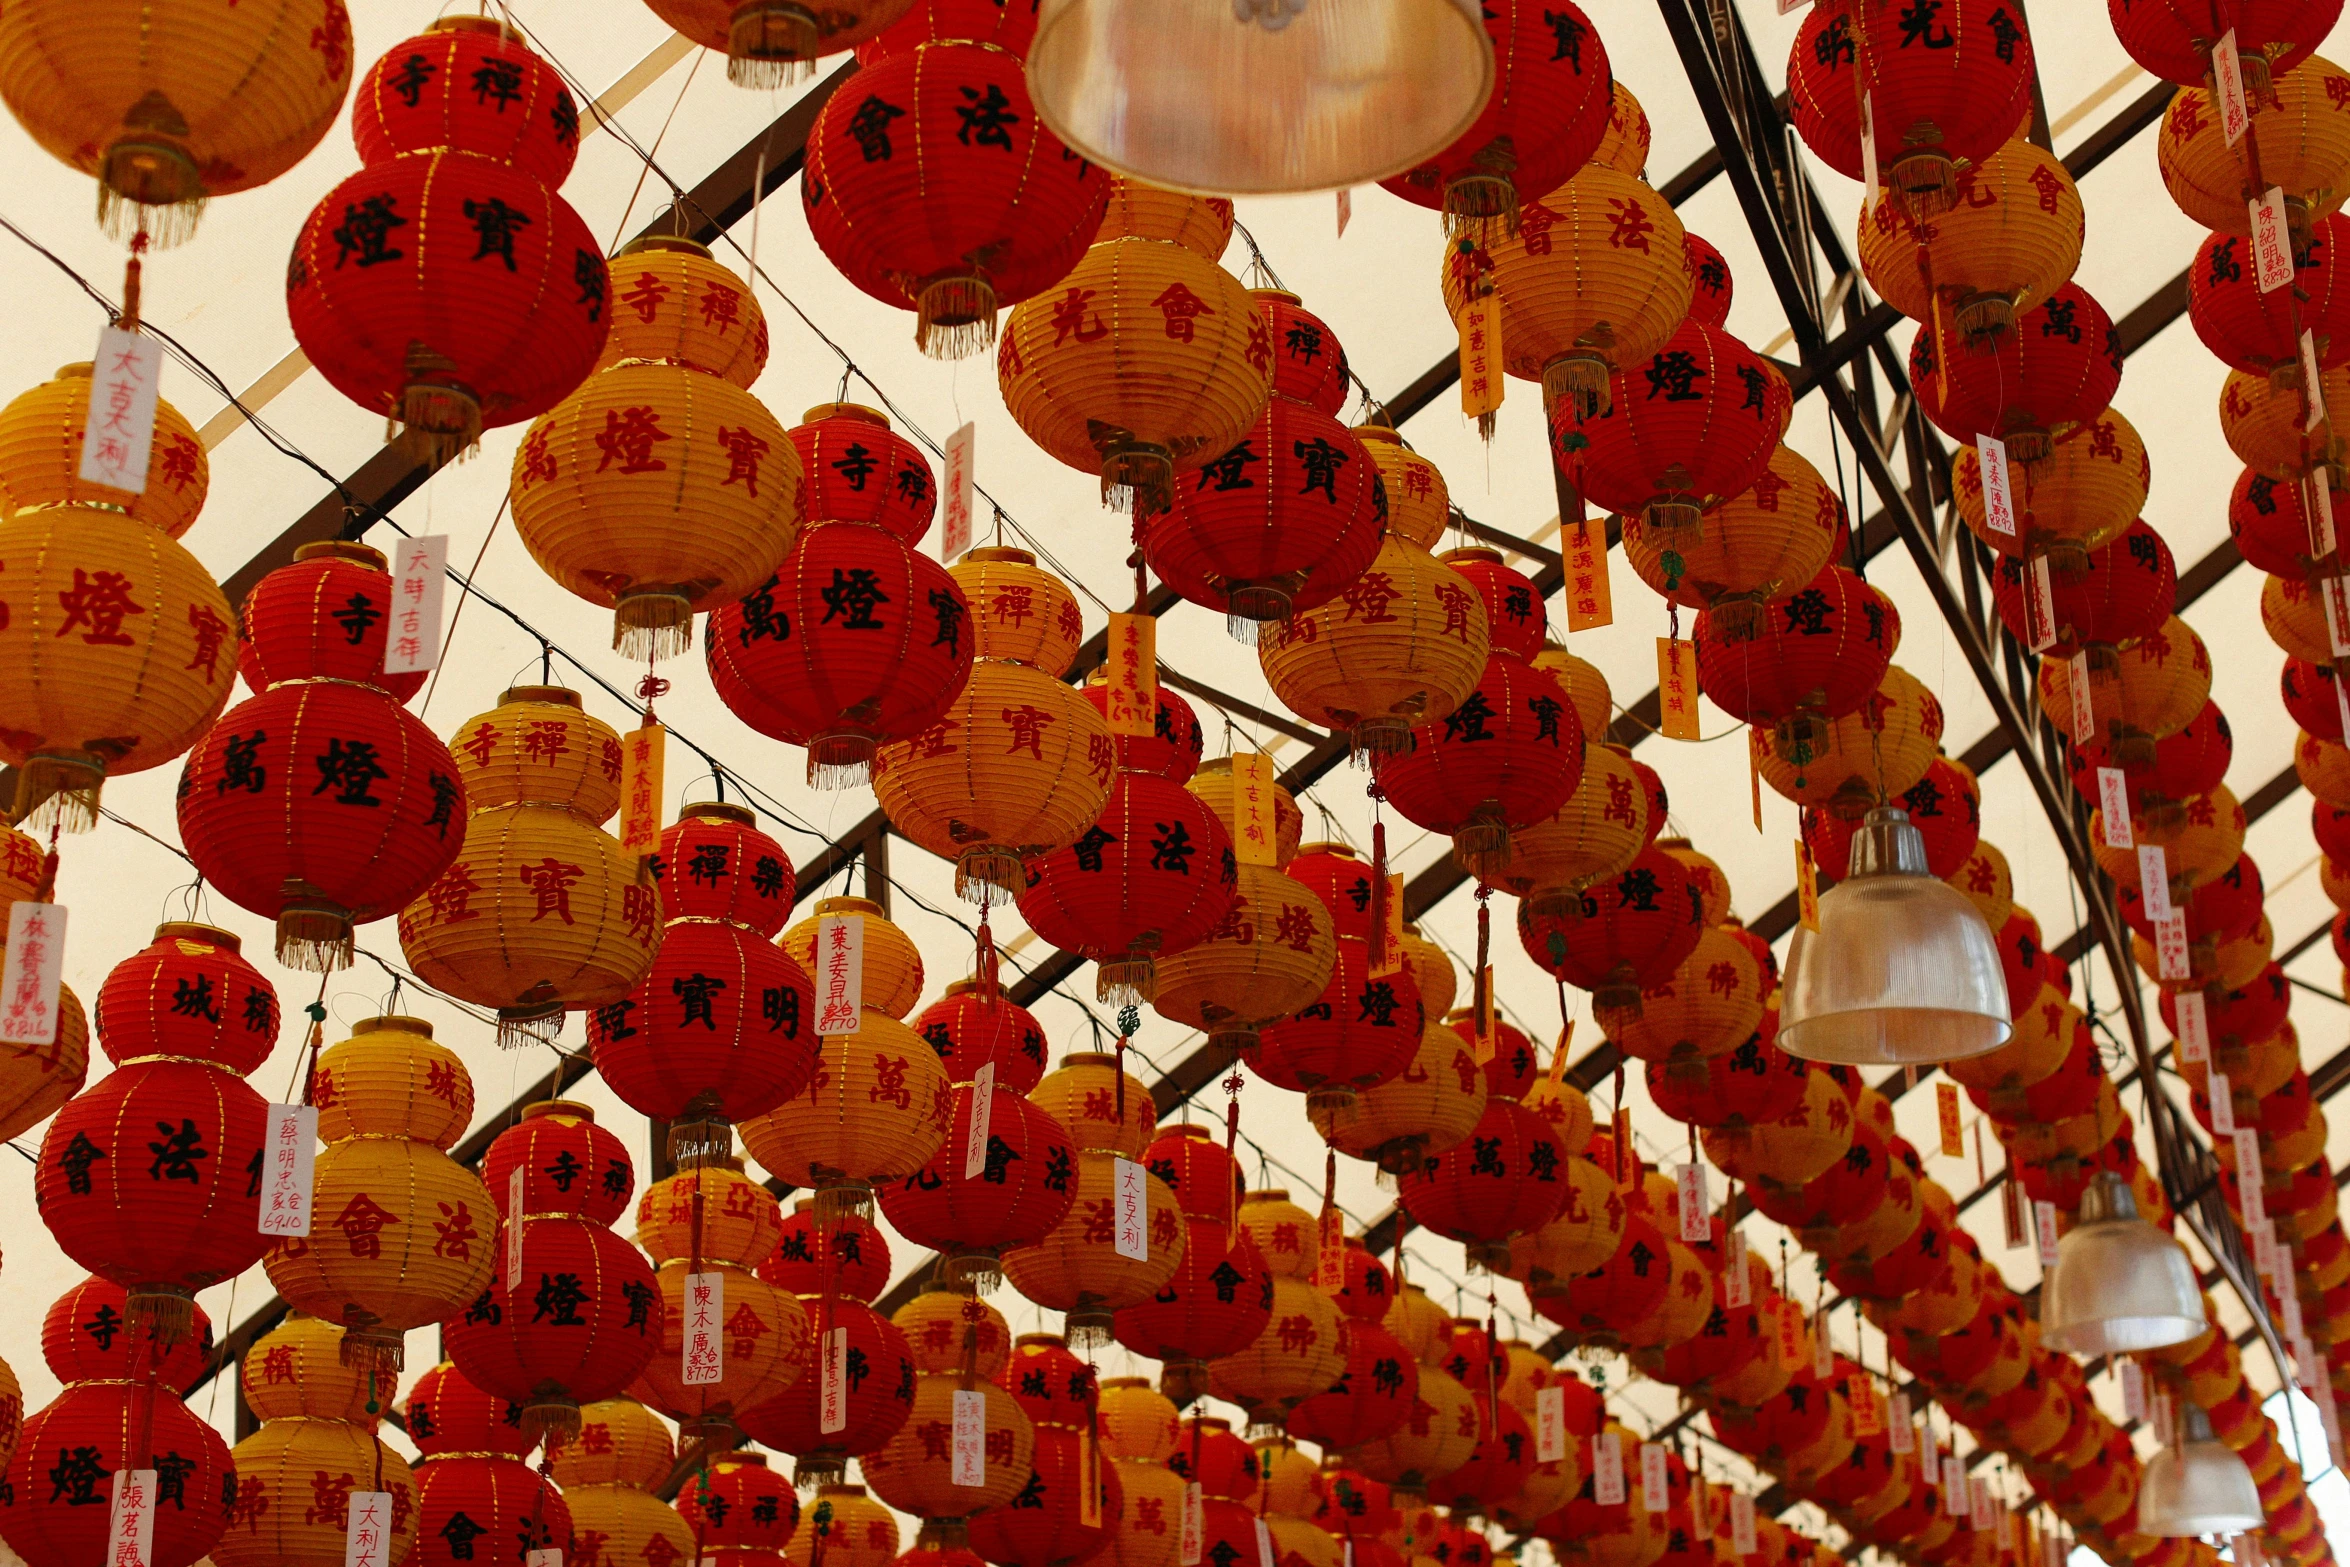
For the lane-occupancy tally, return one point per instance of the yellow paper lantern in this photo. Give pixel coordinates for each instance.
(2205, 848)
(1284, 1232)
(41, 454)
(2012, 239)
(1299, 1353)
(36, 1080)
(1984, 878)
(298, 1369)
(1018, 611)
(1272, 955)
(913, 1471)
(1438, 1438)
(2084, 494)
(2148, 690)
(2293, 614)
(1138, 209)
(949, 1328)
(1565, 1108)
(315, 1447)
(170, 106)
(1878, 753)
(402, 1235)
(1431, 972)
(1136, 1421)
(538, 745)
(1085, 1096)
(657, 490)
(876, 1110)
(1775, 536)
(2262, 418)
(1584, 1236)
(1600, 830)
(1019, 766)
(121, 649)
(2042, 1040)
(892, 966)
(1077, 1269)
(1135, 366)
(1419, 505)
(766, 1337)
(1705, 874)
(623, 1526)
(620, 1443)
(1791, 1150)
(1586, 687)
(2304, 140)
(1213, 783)
(1403, 645)
(740, 1219)
(1594, 277)
(2038, 1142)
(1709, 1006)
(1623, 146)
(1149, 1527)
(677, 304)
(1428, 1107)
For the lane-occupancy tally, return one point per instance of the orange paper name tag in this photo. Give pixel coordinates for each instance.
(1589, 602)
(1807, 887)
(1133, 648)
(1676, 689)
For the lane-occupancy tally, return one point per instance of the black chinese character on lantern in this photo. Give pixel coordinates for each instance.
(356, 616)
(363, 238)
(853, 595)
(350, 768)
(494, 227)
(1322, 462)
(697, 993)
(869, 127)
(177, 1153)
(240, 764)
(987, 118)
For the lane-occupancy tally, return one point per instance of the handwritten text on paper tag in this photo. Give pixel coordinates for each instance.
(969, 1451)
(1132, 653)
(1696, 1211)
(514, 1221)
(2044, 1225)
(2272, 247)
(118, 427)
(1255, 828)
(1133, 1234)
(1550, 1424)
(1655, 1479)
(2113, 809)
(702, 1356)
(1607, 1469)
(1998, 492)
(643, 752)
(420, 578)
(288, 1159)
(981, 1126)
(840, 973)
(1735, 1284)
(2194, 1026)
(367, 1533)
(955, 537)
(2227, 69)
(833, 1400)
(130, 1519)
(34, 972)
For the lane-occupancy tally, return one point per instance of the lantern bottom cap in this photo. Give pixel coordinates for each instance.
(59, 789)
(1926, 180)
(988, 874)
(1390, 735)
(771, 43)
(1130, 981)
(1088, 1328)
(166, 1310)
(149, 184)
(1183, 1382)
(1138, 477)
(439, 421)
(979, 1267)
(1579, 376)
(653, 621)
(1481, 207)
(1248, 606)
(551, 1418)
(841, 759)
(314, 937)
(535, 1023)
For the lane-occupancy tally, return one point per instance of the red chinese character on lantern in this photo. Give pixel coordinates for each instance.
(1069, 318)
(628, 438)
(645, 296)
(362, 1221)
(550, 882)
(210, 631)
(743, 452)
(99, 601)
(1181, 307)
(1368, 596)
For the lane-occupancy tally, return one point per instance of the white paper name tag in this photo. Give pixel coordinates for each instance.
(982, 1121)
(962, 446)
(2223, 1104)
(1550, 1424)
(1998, 494)
(1954, 1486)
(2040, 605)
(1742, 1523)
(2227, 70)
(1133, 1239)
(2044, 1223)
(840, 973)
(130, 1519)
(2133, 1390)
(2249, 1179)
(288, 1160)
(1195, 1525)
(1870, 180)
(420, 574)
(1655, 1479)
(2113, 809)
(2084, 704)
(35, 970)
(1696, 1223)
(969, 1455)
(703, 1355)
(2171, 960)
(833, 1404)
(1900, 1435)
(1735, 1284)
(514, 1220)
(2314, 384)
(2154, 880)
(1265, 1556)
(2194, 1026)
(367, 1535)
(2272, 248)
(118, 427)
(1607, 1469)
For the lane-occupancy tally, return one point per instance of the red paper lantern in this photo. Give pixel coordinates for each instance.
(1046, 1524)
(447, 1414)
(1755, 1083)
(1284, 521)
(1787, 1422)
(2272, 527)
(857, 469)
(1816, 655)
(583, 1321)
(1847, 1192)
(935, 160)
(1916, 1262)
(328, 614)
(720, 1029)
(1011, 28)
(1216, 1303)
(1509, 756)
(1363, 1031)
(1154, 873)
(2173, 39)
(2237, 1018)
(856, 641)
(322, 805)
(1226, 1467)
(1514, 1066)
(87, 1336)
(492, 321)
(1619, 1293)
(1691, 425)
(1173, 747)
(1709, 276)
(502, 1503)
(2186, 764)
(2130, 588)
(2255, 330)
(1621, 935)
(1508, 1177)
(573, 1166)
(1945, 806)
(1051, 1385)
(1309, 365)
(1940, 96)
(68, 1460)
(2056, 371)
(2226, 908)
(1513, 609)
(151, 1178)
(877, 1384)
(716, 864)
(1202, 1172)
(1366, 1290)
(741, 1512)
(1333, 873)
(467, 82)
(1372, 1397)
(1730, 1339)
(2311, 698)
(845, 1256)
(969, 1032)
(1553, 90)
(1025, 1185)
(2330, 826)
(190, 993)
(1496, 1471)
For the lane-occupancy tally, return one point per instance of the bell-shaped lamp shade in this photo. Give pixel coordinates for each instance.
(2197, 1486)
(1252, 97)
(1902, 969)
(2119, 1285)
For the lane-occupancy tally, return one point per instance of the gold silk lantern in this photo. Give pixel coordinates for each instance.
(401, 1234)
(608, 1474)
(716, 1220)
(675, 303)
(542, 912)
(1419, 505)
(1272, 955)
(1077, 1269)
(1403, 645)
(41, 454)
(315, 1447)
(659, 488)
(2012, 239)
(1426, 1108)
(892, 967)
(1138, 364)
(1595, 277)
(169, 105)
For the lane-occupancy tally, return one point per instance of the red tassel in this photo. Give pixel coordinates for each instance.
(1380, 956)
(986, 962)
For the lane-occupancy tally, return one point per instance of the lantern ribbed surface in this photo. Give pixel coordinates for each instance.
(2304, 148)
(99, 1429)
(41, 457)
(2055, 371)
(1419, 506)
(1879, 751)
(2263, 423)
(1404, 644)
(2128, 588)
(1075, 1270)
(876, 1109)
(855, 468)
(1774, 535)
(1684, 429)
(1802, 661)
(1270, 955)
(2086, 492)
(2013, 239)
(190, 993)
(1953, 101)
(675, 303)
(892, 963)
(911, 1471)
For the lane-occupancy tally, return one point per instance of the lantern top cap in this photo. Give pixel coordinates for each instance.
(1109, 1383)
(840, 1490)
(1089, 1058)
(1480, 552)
(848, 906)
(391, 1023)
(474, 24)
(1269, 1194)
(721, 811)
(1672, 843)
(1340, 850)
(1188, 1129)
(569, 1109)
(553, 696)
(856, 411)
(342, 549)
(1379, 432)
(1049, 1340)
(740, 1459)
(1018, 557)
(191, 930)
(676, 243)
(79, 370)
(1282, 294)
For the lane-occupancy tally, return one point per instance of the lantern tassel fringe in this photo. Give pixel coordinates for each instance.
(1481, 208)
(1137, 479)
(1088, 1330)
(165, 223)
(166, 1312)
(771, 43)
(60, 792)
(955, 317)
(1483, 844)
(1129, 981)
(521, 1027)
(840, 759)
(981, 1271)
(818, 1470)
(844, 1200)
(437, 423)
(987, 876)
(1183, 1382)
(374, 1348)
(1372, 737)
(315, 938)
(652, 623)
(554, 1421)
